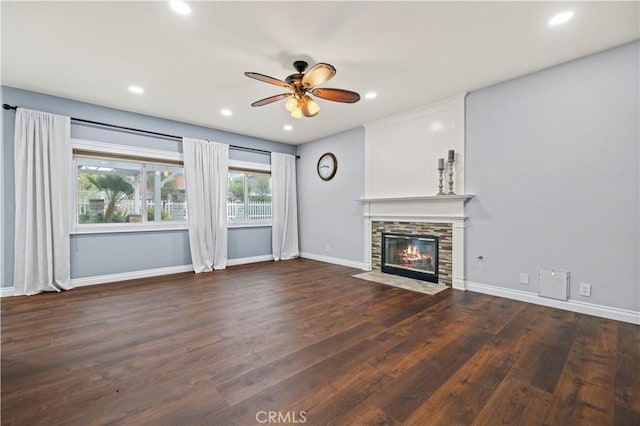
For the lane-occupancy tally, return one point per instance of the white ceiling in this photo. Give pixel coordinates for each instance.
(410, 53)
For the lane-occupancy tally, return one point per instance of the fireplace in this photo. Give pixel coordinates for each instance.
(410, 255)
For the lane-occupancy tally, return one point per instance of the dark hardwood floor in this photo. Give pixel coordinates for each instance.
(310, 344)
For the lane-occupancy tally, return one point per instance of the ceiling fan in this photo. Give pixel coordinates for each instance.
(301, 85)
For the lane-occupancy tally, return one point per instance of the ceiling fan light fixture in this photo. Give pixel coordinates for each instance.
(292, 103)
(310, 108)
(296, 113)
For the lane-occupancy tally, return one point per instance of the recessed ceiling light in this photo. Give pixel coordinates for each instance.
(136, 89)
(288, 127)
(226, 112)
(560, 18)
(180, 7)
(371, 95)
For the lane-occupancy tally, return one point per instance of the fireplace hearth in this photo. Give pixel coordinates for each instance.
(410, 255)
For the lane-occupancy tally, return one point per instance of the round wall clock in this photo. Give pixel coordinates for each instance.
(327, 166)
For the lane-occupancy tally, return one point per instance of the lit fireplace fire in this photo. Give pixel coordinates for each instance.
(414, 256)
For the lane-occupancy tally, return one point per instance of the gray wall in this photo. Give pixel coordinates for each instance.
(102, 254)
(125, 251)
(552, 159)
(249, 242)
(329, 213)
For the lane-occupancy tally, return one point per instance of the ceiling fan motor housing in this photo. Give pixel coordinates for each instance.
(295, 79)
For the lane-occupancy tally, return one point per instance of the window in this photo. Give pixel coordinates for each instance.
(121, 188)
(249, 196)
(166, 193)
(118, 190)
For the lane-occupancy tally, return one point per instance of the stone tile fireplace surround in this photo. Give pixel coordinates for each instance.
(442, 216)
(444, 232)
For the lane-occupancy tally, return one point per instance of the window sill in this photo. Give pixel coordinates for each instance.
(108, 228)
(249, 224)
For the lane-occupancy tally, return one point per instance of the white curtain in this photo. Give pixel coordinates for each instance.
(42, 186)
(206, 166)
(284, 231)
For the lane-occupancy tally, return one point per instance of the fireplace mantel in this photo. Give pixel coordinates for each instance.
(427, 198)
(436, 208)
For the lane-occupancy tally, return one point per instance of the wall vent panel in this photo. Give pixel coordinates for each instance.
(553, 284)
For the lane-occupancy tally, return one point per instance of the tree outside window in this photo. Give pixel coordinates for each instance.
(112, 191)
(249, 196)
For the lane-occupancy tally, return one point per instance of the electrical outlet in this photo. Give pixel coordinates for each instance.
(585, 289)
(524, 278)
(328, 248)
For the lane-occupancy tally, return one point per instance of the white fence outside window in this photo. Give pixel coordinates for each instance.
(235, 211)
(256, 210)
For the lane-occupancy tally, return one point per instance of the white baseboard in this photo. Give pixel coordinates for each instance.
(110, 278)
(459, 284)
(618, 314)
(335, 260)
(146, 273)
(252, 259)
(102, 279)
(124, 276)
(6, 291)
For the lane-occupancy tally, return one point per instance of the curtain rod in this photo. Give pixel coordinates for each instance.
(148, 132)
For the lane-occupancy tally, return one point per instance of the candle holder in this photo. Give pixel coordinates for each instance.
(450, 162)
(440, 186)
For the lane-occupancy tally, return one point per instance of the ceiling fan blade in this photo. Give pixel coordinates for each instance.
(268, 79)
(318, 74)
(270, 99)
(337, 95)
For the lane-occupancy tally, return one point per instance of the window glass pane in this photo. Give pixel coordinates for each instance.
(259, 189)
(235, 197)
(166, 194)
(108, 191)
